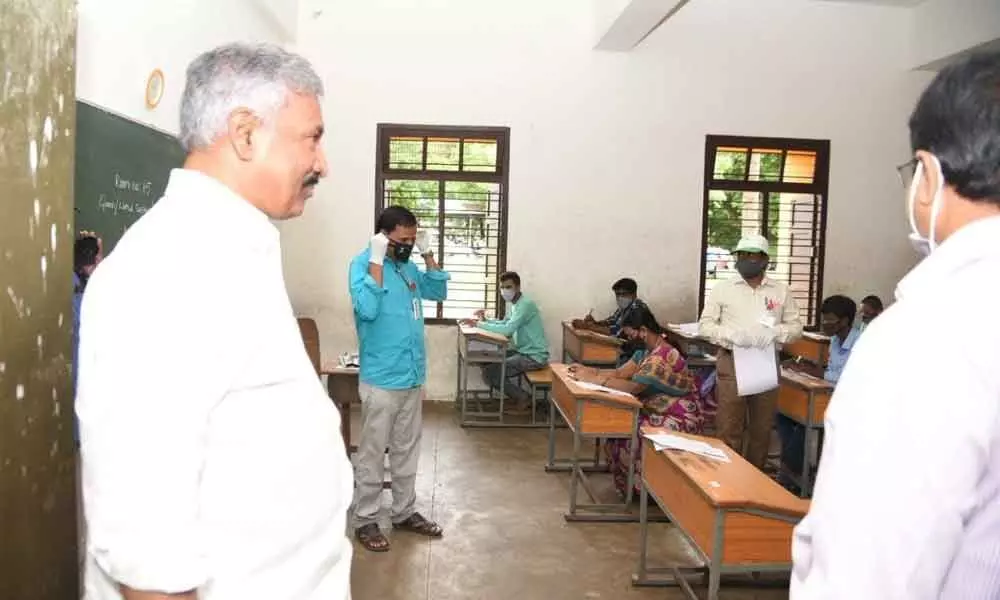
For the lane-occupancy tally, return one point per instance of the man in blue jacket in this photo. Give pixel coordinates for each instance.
(387, 291)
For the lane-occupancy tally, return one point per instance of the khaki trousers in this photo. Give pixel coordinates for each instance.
(731, 419)
(389, 419)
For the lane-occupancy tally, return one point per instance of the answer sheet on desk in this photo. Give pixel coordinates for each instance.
(665, 441)
(600, 388)
(756, 369)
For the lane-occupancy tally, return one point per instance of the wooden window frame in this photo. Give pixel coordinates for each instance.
(820, 186)
(386, 131)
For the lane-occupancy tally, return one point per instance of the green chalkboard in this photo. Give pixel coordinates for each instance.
(122, 168)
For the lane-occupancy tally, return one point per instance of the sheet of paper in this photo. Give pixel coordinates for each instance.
(665, 441)
(600, 388)
(688, 329)
(756, 369)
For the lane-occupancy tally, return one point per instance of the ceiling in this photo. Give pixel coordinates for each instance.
(881, 2)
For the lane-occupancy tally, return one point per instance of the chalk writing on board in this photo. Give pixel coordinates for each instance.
(143, 187)
(124, 202)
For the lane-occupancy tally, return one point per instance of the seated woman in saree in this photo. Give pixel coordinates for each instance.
(659, 377)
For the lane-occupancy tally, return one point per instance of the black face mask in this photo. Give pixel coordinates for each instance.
(400, 252)
(750, 268)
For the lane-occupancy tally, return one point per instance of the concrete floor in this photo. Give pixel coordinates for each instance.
(505, 537)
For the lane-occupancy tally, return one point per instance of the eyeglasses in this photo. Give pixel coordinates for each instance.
(905, 172)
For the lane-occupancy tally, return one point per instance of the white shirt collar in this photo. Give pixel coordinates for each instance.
(191, 185)
(962, 248)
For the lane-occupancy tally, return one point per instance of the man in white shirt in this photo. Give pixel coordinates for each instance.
(751, 310)
(907, 499)
(213, 465)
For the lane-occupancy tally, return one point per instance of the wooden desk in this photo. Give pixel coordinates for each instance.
(804, 399)
(478, 347)
(811, 346)
(589, 348)
(342, 387)
(737, 519)
(591, 414)
(700, 352)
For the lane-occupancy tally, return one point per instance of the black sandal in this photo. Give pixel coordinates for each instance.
(371, 538)
(416, 523)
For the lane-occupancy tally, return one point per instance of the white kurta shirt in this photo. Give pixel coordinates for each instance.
(212, 457)
(907, 499)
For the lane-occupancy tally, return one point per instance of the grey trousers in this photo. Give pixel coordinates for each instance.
(389, 419)
(516, 365)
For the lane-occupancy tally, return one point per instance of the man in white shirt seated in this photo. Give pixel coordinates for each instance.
(213, 464)
(907, 498)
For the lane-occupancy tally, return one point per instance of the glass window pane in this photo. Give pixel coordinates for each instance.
(765, 165)
(730, 164)
(480, 156)
(420, 196)
(442, 154)
(406, 153)
(472, 246)
(800, 167)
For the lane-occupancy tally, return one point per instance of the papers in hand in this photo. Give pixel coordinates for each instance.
(600, 388)
(756, 369)
(666, 441)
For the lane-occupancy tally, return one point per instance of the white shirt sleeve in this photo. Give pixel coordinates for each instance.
(154, 363)
(907, 438)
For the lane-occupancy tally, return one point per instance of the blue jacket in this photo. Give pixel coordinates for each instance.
(390, 321)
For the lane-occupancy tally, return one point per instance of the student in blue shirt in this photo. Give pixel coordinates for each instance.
(87, 253)
(387, 293)
(837, 315)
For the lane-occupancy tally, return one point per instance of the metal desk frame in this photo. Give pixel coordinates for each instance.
(804, 479)
(712, 568)
(466, 358)
(600, 512)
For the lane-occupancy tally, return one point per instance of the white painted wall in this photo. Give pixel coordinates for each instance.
(120, 42)
(943, 28)
(607, 149)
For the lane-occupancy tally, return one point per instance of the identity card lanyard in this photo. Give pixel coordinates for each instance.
(414, 300)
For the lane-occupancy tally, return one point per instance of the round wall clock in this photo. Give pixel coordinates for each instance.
(154, 89)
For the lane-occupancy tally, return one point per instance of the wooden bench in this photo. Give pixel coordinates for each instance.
(539, 384)
(735, 518)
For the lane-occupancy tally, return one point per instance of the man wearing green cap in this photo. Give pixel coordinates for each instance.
(750, 311)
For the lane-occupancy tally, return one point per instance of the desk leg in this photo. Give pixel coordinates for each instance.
(465, 390)
(633, 450)
(643, 532)
(551, 463)
(575, 473)
(715, 565)
(805, 487)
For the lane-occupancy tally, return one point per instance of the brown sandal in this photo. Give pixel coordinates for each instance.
(371, 538)
(416, 523)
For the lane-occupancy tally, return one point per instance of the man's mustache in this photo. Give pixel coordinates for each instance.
(311, 179)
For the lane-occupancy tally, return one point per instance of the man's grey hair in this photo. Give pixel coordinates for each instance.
(257, 77)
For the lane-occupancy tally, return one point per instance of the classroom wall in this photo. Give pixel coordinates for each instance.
(120, 42)
(38, 558)
(943, 28)
(607, 149)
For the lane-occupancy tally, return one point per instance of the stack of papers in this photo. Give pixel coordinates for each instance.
(665, 441)
(600, 388)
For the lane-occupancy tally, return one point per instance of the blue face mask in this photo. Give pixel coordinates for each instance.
(507, 294)
(623, 302)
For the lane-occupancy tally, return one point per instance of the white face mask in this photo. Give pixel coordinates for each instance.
(922, 245)
(623, 303)
(507, 295)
